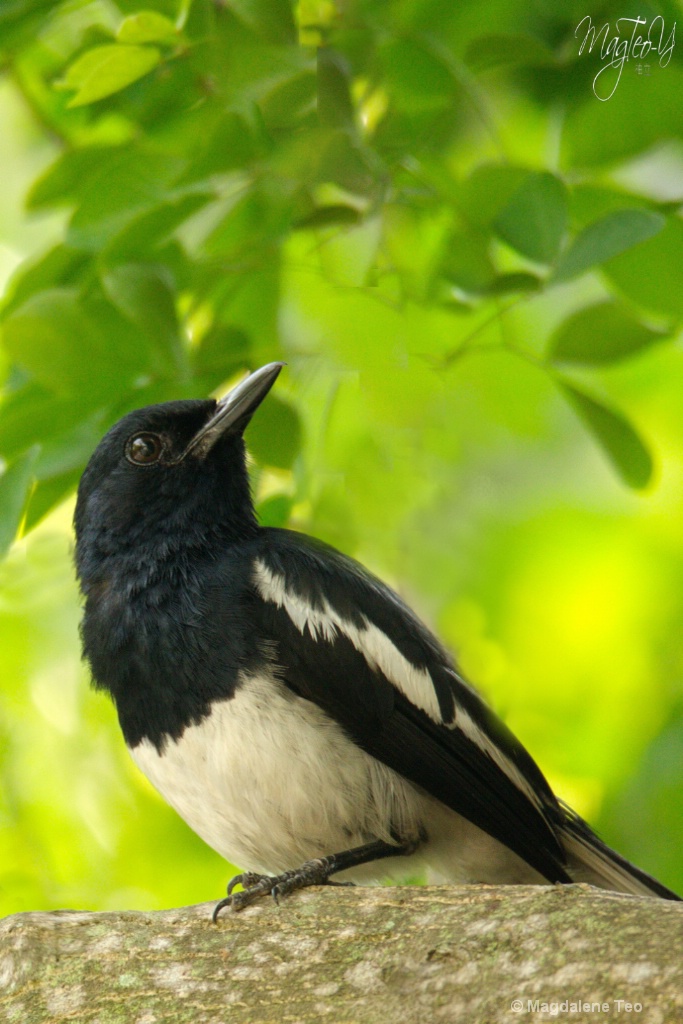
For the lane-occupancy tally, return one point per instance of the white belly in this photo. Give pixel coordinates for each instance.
(269, 781)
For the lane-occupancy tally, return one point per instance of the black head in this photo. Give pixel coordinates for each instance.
(167, 478)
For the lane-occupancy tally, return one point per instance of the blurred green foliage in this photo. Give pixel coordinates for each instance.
(474, 269)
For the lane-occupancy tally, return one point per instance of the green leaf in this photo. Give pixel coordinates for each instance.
(144, 236)
(414, 243)
(348, 257)
(34, 415)
(514, 283)
(198, 19)
(606, 238)
(130, 353)
(69, 451)
(534, 220)
(641, 113)
(275, 511)
(346, 164)
(50, 336)
(466, 262)
(48, 493)
(274, 436)
(290, 103)
(143, 294)
(335, 108)
(105, 70)
(64, 179)
(15, 487)
(222, 352)
(497, 50)
(256, 219)
(589, 202)
(615, 435)
(146, 27)
(487, 190)
(67, 349)
(604, 333)
(652, 274)
(324, 216)
(271, 19)
(251, 303)
(57, 267)
(128, 184)
(20, 18)
(417, 80)
(229, 145)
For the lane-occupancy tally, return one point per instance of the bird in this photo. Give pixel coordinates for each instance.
(289, 705)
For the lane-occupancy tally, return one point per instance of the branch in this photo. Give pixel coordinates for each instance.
(348, 955)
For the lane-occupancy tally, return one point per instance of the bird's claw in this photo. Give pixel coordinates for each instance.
(313, 872)
(253, 886)
(247, 880)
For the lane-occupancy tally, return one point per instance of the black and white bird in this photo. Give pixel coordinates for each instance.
(289, 706)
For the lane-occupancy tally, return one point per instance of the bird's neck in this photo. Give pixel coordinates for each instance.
(136, 566)
(147, 626)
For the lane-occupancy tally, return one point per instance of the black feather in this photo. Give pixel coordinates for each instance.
(338, 678)
(179, 617)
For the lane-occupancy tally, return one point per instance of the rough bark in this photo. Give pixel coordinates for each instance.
(354, 955)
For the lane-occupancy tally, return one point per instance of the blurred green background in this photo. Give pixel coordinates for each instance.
(464, 237)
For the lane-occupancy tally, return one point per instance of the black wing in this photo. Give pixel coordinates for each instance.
(348, 643)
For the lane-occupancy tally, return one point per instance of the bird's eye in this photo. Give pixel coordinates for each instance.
(144, 449)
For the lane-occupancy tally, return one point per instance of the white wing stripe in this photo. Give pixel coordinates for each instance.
(375, 646)
(470, 728)
(378, 650)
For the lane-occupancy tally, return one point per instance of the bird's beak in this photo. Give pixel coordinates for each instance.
(235, 410)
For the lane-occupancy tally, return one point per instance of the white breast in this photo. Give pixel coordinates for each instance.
(269, 780)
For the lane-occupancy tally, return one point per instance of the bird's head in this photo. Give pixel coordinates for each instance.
(169, 475)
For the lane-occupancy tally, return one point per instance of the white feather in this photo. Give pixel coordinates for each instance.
(485, 743)
(588, 863)
(375, 646)
(378, 650)
(269, 781)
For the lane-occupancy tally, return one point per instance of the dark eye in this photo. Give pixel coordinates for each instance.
(144, 449)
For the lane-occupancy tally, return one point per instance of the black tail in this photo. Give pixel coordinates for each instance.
(591, 860)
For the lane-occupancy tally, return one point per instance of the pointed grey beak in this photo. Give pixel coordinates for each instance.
(235, 410)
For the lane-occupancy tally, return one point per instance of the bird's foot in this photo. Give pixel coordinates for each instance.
(313, 872)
